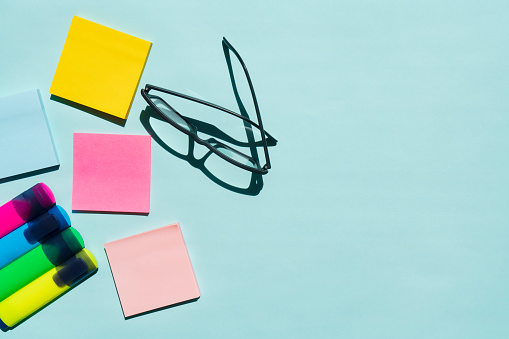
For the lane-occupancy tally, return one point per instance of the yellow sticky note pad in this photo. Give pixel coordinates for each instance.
(100, 67)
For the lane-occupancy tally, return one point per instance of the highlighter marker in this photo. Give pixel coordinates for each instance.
(25, 207)
(51, 253)
(27, 237)
(43, 290)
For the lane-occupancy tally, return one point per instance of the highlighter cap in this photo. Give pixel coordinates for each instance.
(75, 269)
(47, 224)
(63, 246)
(33, 201)
(44, 195)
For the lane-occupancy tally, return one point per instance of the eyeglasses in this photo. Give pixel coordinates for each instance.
(200, 130)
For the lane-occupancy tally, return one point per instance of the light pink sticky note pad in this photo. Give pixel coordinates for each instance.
(111, 173)
(152, 270)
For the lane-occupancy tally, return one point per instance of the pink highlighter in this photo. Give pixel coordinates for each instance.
(25, 207)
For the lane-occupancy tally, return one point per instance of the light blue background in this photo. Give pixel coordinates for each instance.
(385, 214)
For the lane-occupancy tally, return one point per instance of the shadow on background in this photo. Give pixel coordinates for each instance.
(256, 182)
(29, 174)
(86, 109)
(162, 308)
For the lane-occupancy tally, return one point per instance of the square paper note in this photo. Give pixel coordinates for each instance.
(25, 140)
(152, 270)
(111, 173)
(100, 67)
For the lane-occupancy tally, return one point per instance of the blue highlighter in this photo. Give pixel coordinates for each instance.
(28, 236)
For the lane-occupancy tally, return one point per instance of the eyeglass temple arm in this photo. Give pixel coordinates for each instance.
(251, 88)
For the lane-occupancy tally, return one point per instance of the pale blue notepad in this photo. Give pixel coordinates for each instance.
(25, 139)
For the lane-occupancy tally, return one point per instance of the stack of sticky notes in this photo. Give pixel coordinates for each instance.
(100, 67)
(152, 270)
(41, 256)
(26, 144)
(111, 173)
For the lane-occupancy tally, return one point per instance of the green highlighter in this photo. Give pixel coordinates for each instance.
(40, 260)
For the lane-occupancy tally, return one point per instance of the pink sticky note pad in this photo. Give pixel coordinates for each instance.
(152, 270)
(111, 173)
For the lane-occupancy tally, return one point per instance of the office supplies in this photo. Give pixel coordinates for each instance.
(43, 290)
(53, 252)
(31, 234)
(25, 207)
(152, 270)
(111, 173)
(100, 67)
(25, 137)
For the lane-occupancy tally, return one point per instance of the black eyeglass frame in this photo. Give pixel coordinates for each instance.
(207, 143)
